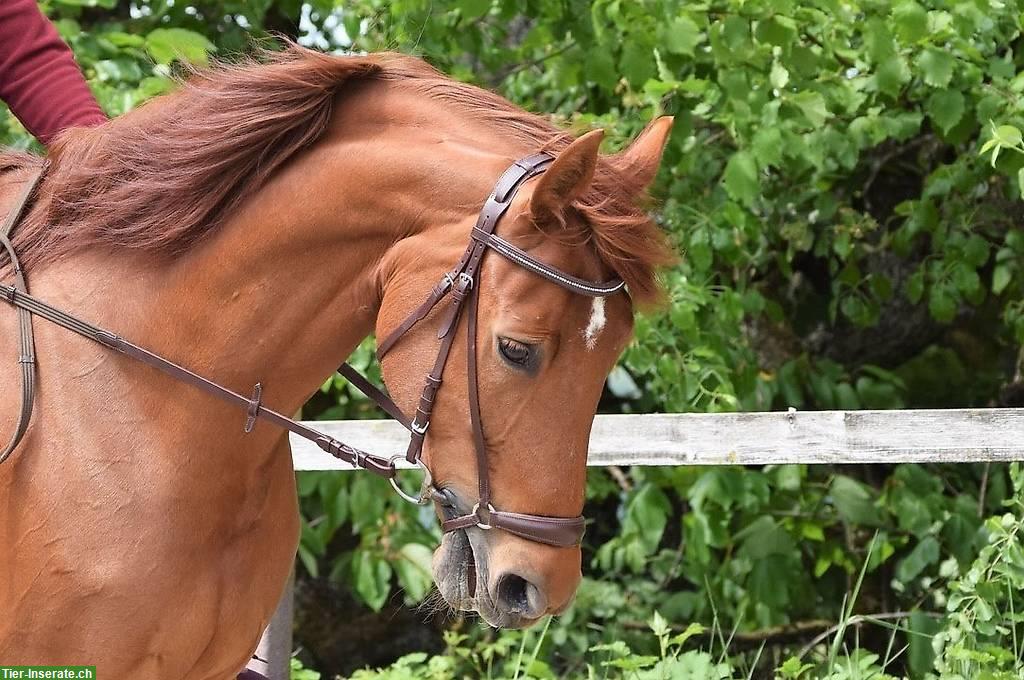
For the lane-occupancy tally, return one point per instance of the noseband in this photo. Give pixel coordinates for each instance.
(461, 284)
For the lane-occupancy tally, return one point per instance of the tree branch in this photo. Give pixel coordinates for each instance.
(857, 620)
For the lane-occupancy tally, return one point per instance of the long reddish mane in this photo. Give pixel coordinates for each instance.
(160, 178)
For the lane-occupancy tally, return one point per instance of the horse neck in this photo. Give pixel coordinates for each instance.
(291, 283)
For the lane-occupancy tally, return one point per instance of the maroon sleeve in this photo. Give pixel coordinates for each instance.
(39, 79)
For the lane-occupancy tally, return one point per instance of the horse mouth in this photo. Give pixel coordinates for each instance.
(460, 572)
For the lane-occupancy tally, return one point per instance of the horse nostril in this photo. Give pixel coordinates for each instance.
(516, 595)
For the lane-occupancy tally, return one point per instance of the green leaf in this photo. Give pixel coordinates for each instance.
(741, 180)
(879, 41)
(167, 44)
(309, 561)
(812, 532)
(942, 304)
(681, 36)
(793, 668)
(779, 76)
(854, 502)
(911, 21)
(646, 517)
(473, 9)
(1001, 277)
(637, 63)
(924, 553)
(891, 75)
(658, 625)
(691, 630)
(736, 32)
(767, 146)
(307, 482)
(372, 578)
(599, 68)
(915, 287)
(1007, 135)
(764, 537)
(414, 571)
(920, 655)
(813, 107)
(122, 39)
(769, 582)
(945, 108)
(937, 67)
(976, 250)
(967, 281)
(776, 30)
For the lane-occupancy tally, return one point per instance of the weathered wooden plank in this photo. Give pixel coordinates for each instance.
(951, 435)
(948, 435)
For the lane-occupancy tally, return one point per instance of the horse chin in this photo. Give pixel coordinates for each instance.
(460, 572)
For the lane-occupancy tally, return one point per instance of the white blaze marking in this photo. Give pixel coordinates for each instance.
(596, 323)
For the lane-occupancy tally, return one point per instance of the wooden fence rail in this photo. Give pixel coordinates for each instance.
(919, 436)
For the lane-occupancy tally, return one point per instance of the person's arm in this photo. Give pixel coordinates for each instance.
(39, 79)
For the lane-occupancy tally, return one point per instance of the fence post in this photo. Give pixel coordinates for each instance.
(276, 646)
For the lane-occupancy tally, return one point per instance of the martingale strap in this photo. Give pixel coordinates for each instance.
(459, 285)
(26, 338)
(252, 405)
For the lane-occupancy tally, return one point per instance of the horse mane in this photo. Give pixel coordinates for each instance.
(162, 177)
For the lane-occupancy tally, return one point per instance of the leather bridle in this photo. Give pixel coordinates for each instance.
(460, 284)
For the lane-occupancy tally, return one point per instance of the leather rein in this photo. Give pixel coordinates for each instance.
(459, 284)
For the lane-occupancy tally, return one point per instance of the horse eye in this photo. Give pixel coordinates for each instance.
(515, 352)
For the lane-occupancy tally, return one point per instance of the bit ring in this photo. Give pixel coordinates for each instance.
(425, 486)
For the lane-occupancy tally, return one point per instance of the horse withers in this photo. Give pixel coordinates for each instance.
(254, 226)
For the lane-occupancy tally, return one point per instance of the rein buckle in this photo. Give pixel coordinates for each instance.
(254, 408)
(421, 430)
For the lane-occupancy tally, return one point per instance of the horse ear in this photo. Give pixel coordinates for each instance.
(642, 158)
(567, 178)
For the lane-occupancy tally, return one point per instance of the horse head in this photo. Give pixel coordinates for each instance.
(541, 354)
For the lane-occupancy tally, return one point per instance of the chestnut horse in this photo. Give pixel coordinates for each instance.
(256, 225)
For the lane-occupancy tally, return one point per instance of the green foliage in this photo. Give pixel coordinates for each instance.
(985, 605)
(298, 672)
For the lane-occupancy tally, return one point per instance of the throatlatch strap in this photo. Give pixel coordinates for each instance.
(26, 339)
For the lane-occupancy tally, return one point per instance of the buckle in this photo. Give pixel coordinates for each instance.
(421, 430)
(255, 404)
(482, 522)
(466, 280)
(7, 292)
